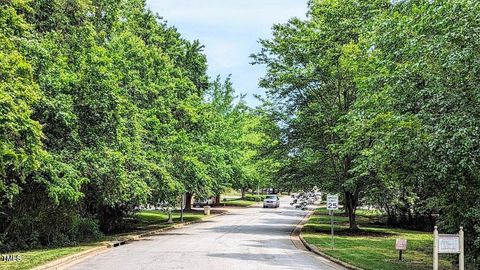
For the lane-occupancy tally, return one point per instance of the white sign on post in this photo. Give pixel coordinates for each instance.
(332, 205)
(332, 202)
(401, 244)
(448, 243)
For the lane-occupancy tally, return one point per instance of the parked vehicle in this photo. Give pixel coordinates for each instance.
(271, 201)
(202, 202)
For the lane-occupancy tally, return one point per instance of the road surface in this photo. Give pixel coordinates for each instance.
(250, 238)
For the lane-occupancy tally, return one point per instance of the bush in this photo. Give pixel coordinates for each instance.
(41, 226)
(254, 198)
(85, 229)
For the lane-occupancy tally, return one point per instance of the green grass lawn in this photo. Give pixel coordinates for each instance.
(238, 202)
(155, 219)
(146, 220)
(232, 192)
(34, 258)
(374, 247)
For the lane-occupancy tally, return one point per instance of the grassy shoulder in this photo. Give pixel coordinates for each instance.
(33, 258)
(145, 220)
(232, 192)
(238, 203)
(373, 248)
(154, 219)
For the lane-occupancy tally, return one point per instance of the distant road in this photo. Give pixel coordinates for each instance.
(250, 238)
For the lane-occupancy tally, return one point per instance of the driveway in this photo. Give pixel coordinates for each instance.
(250, 238)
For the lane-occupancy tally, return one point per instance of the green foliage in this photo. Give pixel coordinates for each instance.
(378, 100)
(105, 108)
(311, 89)
(254, 198)
(20, 136)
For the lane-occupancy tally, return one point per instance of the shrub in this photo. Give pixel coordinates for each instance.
(254, 198)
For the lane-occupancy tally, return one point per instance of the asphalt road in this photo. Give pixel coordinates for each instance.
(250, 238)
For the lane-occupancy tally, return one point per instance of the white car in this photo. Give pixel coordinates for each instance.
(202, 202)
(271, 201)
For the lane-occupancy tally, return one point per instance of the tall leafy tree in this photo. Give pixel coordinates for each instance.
(419, 104)
(313, 90)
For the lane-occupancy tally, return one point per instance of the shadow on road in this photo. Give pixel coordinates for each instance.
(274, 260)
(272, 229)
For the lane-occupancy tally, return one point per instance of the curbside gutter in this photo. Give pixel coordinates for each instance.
(296, 237)
(71, 260)
(297, 230)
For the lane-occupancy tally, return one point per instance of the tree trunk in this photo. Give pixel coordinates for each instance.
(169, 216)
(351, 202)
(392, 218)
(244, 190)
(188, 201)
(217, 199)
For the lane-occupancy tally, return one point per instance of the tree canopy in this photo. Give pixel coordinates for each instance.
(104, 108)
(378, 101)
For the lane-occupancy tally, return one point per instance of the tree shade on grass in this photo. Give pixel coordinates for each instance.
(238, 202)
(373, 247)
(151, 219)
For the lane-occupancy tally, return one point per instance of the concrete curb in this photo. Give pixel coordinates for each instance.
(295, 234)
(314, 249)
(71, 260)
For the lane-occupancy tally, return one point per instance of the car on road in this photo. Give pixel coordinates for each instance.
(271, 201)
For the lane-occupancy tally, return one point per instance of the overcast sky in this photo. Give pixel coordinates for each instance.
(229, 29)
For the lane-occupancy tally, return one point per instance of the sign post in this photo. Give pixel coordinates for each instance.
(435, 249)
(400, 245)
(332, 205)
(462, 250)
(448, 244)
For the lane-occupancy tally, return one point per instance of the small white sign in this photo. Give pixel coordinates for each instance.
(401, 244)
(448, 243)
(332, 202)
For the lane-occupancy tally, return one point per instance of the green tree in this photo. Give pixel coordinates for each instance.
(419, 103)
(312, 88)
